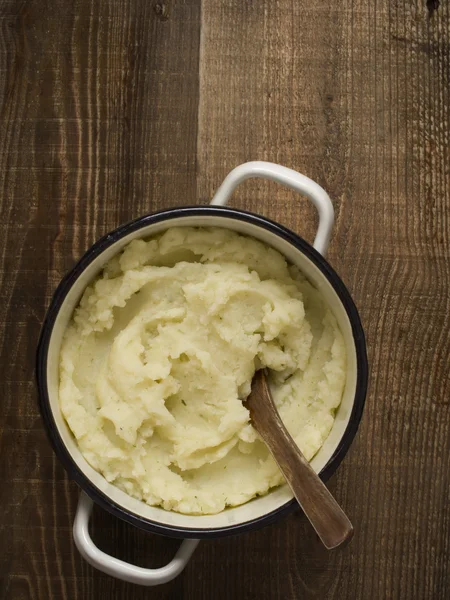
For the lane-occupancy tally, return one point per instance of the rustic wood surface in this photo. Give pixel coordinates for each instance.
(111, 109)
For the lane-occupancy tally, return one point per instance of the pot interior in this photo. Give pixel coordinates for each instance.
(258, 507)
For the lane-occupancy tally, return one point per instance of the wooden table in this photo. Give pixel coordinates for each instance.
(113, 109)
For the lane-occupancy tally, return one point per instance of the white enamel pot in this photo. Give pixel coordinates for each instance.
(260, 511)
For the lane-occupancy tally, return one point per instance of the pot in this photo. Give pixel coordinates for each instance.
(259, 511)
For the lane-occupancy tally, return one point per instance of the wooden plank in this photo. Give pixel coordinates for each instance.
(355, 95)
(99, 125)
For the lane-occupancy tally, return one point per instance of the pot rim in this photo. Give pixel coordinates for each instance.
(63, 290)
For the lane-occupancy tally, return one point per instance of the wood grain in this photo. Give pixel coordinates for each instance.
(109, 110)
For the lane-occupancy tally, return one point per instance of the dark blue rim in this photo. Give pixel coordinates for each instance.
(63, 289)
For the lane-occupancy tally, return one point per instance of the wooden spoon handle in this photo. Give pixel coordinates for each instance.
(324, 513)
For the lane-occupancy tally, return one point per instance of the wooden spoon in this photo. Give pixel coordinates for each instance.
(324, 513)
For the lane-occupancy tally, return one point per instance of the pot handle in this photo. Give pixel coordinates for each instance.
(119, 568)
(291, 179)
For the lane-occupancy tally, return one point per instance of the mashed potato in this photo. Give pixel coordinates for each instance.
(163, 348)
